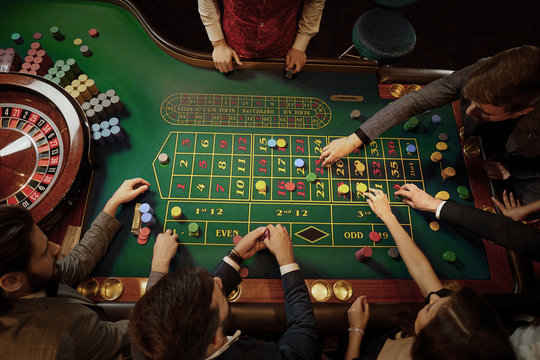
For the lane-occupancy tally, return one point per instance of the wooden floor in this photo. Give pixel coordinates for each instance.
(450, 34)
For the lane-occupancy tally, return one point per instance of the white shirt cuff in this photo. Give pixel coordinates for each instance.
(438, 212)
(301, 42)
(285, 269)
(231, 262)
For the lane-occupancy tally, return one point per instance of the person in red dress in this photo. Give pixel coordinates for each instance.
(251, 29)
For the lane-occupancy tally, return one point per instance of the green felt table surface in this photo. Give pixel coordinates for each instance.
(243, 110)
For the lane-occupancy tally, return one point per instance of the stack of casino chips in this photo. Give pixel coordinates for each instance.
(107, 131)
(102, 106)
(64, 72)
(9, 60)
(37, 61)
(82, 88)
(147, 214)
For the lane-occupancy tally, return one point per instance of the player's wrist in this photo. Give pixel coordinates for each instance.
(285, 260)
(219, 43)
(236, 257)
(161, 266)
(354, 140)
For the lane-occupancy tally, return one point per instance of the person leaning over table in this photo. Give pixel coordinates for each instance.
(500, 101)
(183, 313)
(260, 29)
(501, 230)
(452, 325)
(42, 316)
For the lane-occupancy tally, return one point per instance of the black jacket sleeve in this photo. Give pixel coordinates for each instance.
(300, 339)
(499, 229)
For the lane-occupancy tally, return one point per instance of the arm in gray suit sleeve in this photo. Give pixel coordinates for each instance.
(84, 256)
(435, 94)
(96, 340)
(497, 228)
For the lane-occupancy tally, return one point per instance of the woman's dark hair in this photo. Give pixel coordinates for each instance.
(175, 318)
(466, 327)
(16, 226)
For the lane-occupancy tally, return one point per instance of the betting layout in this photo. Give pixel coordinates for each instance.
(245, 110)
(213, 177)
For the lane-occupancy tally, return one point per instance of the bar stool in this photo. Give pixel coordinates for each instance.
(382, 35)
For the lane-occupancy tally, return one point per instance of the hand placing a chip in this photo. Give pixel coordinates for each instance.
(339, 148)
(250, 244)
(418, 198)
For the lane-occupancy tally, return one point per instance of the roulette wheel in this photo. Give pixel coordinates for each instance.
(44, 147)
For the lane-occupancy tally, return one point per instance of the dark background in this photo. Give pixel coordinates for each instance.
(451, 34)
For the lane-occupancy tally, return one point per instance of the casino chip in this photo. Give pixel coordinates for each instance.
(448, 172)
(374, 236)
(260, 186)
(243, 272)
(434, 226)
(442, 195)
(299, 163)
(436, 119)
(193, 229)
(463, 192)
(436, 156)
(441, 146)
(443, 137)
(355, 114)
(290, 186)
(361, 187)
(411, 148)
(363, 254)
(360, 166)
(281, 143)
(411, 124)
(449, 256)
(311, 177)
(343, 189)
(393, 253)
(272, 143)
(237, 239)
(176, 212)
(163, 159)
(93, 33)
(143, 236)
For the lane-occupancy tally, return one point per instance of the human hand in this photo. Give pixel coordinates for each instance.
(496, 170)
(511, 207)
(378, 202)
(279, 243)
(128, 191)
(165, 248)
(339, 148)
(418, 198)
(251, 243)
(223, 56)
(295, 60)
(358, 313)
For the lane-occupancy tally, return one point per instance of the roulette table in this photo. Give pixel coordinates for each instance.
(215, 130)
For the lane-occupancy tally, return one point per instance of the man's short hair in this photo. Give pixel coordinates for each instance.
(175, 318)
(16, 226)
(510, 79)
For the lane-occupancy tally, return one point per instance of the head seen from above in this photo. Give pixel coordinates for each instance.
(181, 317)
(461, 326)
(506, 86)
(28, 260)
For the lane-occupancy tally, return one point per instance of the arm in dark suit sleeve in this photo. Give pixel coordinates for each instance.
(497, 228)
(300, 339)
(229, 276)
